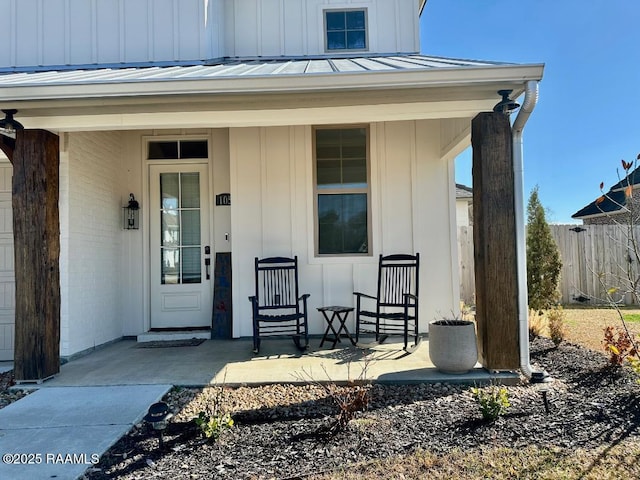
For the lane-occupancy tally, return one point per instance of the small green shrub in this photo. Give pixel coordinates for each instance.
(493, 401)
(213, 425)
(214, 421)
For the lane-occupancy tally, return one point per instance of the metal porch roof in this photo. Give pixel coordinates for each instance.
(215, 93)
(229, 68)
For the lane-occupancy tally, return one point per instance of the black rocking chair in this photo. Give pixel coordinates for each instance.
(396, 303)
(278, 308)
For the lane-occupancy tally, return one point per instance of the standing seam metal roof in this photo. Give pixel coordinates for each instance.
(229, 68)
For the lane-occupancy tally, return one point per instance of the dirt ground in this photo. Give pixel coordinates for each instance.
(585, 325)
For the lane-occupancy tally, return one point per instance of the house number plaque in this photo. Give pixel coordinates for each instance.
(223, 199)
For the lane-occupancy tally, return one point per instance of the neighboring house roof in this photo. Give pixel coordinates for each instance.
(462, 191)
(613, 201)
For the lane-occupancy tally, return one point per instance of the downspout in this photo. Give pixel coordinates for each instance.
(530, 101)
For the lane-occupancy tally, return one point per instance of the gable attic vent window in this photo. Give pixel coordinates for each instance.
(346, 29)
(178, 149)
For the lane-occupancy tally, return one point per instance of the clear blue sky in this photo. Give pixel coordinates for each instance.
(588, 115)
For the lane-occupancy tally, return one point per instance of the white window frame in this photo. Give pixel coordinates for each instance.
(317, 192)
(325, 31)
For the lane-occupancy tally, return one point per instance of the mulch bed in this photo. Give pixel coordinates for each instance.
(7, 395)
(591, 404)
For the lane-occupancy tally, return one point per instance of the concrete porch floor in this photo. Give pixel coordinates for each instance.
(231, 362)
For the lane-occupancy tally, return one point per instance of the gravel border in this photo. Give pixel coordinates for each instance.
(281, 430)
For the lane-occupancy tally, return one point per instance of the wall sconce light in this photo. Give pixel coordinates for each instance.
(8, 125)
(131, 214)
(157, 416)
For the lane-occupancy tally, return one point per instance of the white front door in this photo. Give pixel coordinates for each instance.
(181, 286)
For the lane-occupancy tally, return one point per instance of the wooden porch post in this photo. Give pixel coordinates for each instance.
(494, 240)
(36, 233)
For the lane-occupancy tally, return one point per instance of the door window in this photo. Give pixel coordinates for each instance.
(180, 249)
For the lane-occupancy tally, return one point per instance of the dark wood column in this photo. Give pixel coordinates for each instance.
(494, 240)
(36, 233)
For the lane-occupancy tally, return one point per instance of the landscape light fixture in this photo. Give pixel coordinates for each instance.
(157, 416)
(131, 214)
(506, 105)
(8, 125)
(543, 390)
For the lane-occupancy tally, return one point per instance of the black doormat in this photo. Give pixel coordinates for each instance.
(193, 342)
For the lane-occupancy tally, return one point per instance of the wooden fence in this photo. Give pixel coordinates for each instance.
(594, 260)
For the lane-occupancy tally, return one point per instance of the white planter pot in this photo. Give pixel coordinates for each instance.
(452, 346)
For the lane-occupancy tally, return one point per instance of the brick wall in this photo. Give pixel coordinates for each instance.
(91, 233)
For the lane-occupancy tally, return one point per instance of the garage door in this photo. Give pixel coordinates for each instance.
(7, 279)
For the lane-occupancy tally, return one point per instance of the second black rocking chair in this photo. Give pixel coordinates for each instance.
(394, 310)
(277, 307)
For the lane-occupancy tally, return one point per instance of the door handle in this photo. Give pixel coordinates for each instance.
(207, 264)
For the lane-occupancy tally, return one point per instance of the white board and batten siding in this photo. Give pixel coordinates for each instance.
(7, 277)
(296, 28)
(111, 32)
(85, 32)
(273, 215)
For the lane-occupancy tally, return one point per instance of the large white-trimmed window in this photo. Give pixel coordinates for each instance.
(345, 29)
(342, 191)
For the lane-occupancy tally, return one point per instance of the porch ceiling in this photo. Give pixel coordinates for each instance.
(260, 93)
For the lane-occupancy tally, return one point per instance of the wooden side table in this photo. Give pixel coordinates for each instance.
(338, 315)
